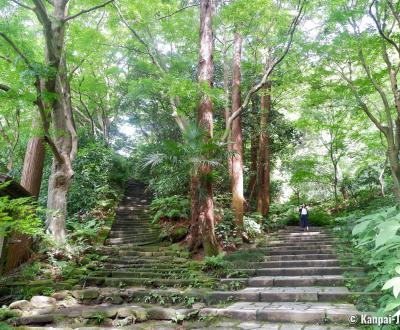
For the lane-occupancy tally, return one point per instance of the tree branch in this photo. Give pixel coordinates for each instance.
(17, 50)
(88, 10)
(178, 11)
(379, 27)
(22, 5)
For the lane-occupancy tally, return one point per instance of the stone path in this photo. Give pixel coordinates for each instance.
(135, 257)
(300, 280)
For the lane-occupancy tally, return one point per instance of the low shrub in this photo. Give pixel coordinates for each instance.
(170, 208)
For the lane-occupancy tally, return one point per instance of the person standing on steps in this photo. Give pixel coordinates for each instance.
(303, 212)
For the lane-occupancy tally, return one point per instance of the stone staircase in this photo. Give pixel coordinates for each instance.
(135, 255)
(300, 281)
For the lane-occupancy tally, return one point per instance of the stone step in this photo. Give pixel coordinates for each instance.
(301, 257)
(113, 241)
(300, 241)
(146, 254)
(300, 252)
(302, 280)
(140, 281)
(294, 271)
(300, 246)
(298, 263)
(123, 226)
(147, 266)
(303, 312)
(278, 294)
(154, 260)
(312, 236)
(135, 238)
(143, 272)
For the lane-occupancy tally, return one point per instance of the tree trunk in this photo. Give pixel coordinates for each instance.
(382, 179)
(335, 183)
(227, 111)
(63, 139)
(254, 143)
(263, 166)
(32, 171)
(237, 137)
(204, 215)
(393, 156)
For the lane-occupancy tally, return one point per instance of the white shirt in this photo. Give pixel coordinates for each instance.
(304, 211)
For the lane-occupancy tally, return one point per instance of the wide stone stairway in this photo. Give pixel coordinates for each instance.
(300, 281)
(135, 255)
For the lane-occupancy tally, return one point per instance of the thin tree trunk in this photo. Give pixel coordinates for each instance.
(31, 178)
(382, 179)
(263, 166)
(237, 137)
(393, 156)
(205, 213)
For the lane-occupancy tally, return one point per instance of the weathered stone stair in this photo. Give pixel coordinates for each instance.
(300, 280)
(135, 255)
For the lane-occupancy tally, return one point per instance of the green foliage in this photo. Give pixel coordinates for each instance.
(7, 314)
(377, 241)
(251, 225)
(20, 215)
(170, 208)
(99, 174)
(214, 262)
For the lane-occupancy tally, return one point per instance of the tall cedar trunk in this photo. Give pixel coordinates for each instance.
(254, 144)
(63, 141)
(237, 137)
(202, 226)
(263, 166)
(227, 111)
(335, 183)
(31, 178)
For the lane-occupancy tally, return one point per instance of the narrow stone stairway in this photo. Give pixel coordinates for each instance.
(135, 255)
(300, 281)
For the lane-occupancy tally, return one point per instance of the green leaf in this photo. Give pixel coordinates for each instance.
(387, 232)
(359, 228)
(393, 283)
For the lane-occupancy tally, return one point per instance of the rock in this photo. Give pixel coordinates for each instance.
(39, 319)
(105, 311)
(158, 313)
(86, 295)
(60, 295)
(107, 322)
(124, 322)
(138, 312)
(42, 302)
(22, 305)
(198, 305)
(69, 301)
(39, 311)
(115, 299)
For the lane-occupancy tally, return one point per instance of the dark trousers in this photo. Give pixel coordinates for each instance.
(304, 220)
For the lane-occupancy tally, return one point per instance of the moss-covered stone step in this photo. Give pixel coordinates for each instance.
(126, 240)
(158, 265)
(298, 263)
(290, 271)
(284, 251)
(302, 312)
(278, 294)
(297, 281)
(143, 272)
(289, 257)
(157, 282)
